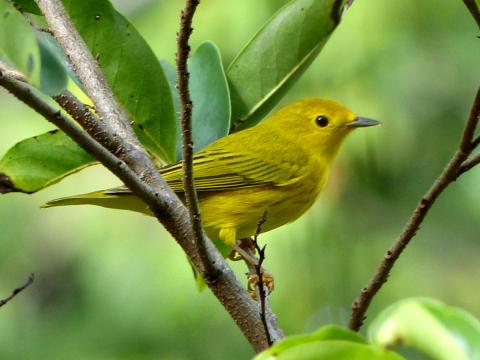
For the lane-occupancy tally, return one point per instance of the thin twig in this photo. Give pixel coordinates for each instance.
(451, 172)
(183, 51)
(468, 164)
(476, 142)
(18, 290)
(472, 6)
(262, 289)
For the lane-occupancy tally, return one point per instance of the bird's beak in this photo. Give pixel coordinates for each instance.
(362, 122)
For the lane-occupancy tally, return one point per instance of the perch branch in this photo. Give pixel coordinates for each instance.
(457, 166)
(117, 136)
(183, 50)
(18, 290)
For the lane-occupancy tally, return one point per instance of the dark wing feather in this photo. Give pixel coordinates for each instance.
(217, 169)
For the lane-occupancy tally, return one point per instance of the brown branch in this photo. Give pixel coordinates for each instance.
(18, 290)
(469, 164)
(476, 142)
(451, 172)
(140, 175)
(183, 50)
(473, 8)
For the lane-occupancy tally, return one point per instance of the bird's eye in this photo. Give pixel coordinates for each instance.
(321, 121)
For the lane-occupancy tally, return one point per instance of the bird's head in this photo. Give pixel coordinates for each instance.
(318, 124)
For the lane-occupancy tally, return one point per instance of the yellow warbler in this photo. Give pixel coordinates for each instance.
(279, 166)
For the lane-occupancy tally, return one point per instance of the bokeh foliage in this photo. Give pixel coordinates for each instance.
(114, 285)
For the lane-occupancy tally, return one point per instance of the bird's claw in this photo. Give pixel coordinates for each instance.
(254, 281)
(244, 250)
(235, 256)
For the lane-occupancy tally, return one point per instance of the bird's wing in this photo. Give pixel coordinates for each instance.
(218, 169)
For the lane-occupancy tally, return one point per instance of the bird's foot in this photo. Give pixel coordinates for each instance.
(234, 255)
(245, 250)
(254, 283)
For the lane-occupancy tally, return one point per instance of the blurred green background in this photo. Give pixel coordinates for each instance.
(114, 285)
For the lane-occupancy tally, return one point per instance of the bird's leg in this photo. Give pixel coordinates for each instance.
(246, 249)
(239, 253)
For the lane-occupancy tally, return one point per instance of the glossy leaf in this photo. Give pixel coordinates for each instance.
(171, 75)
(40, 161)
(18, 44)
(440, 331)
(209, 93)
(330, 342)
(277, 55)
(132, 70)
(53, 74)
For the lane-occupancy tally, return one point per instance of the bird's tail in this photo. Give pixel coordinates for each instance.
(121, 199)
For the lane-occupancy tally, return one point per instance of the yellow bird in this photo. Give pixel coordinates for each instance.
(279, 167)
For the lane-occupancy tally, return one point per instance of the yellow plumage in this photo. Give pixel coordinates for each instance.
(279, 166)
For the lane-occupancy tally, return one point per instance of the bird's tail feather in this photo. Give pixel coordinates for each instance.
(121, 201)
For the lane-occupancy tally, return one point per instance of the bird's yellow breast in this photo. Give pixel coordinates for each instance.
(232, 215)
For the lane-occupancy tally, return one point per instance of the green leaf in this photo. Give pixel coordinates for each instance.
(171, 75)
(277, 55)
(28, 6)
(210, 96)
(132, 70)
(40, 161)
(335, 349)
(18, 44)
(330, 332)
(330, 342)
(53, 75)
(209, 93)
(442, 332)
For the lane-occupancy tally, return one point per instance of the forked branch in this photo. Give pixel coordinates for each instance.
(458, 165)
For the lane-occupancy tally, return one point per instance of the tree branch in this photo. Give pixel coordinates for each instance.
(451, 172)
(115, 133)
(183, 50)
(476, 142)
(18, 290)
(468, 164)
(473, 8)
